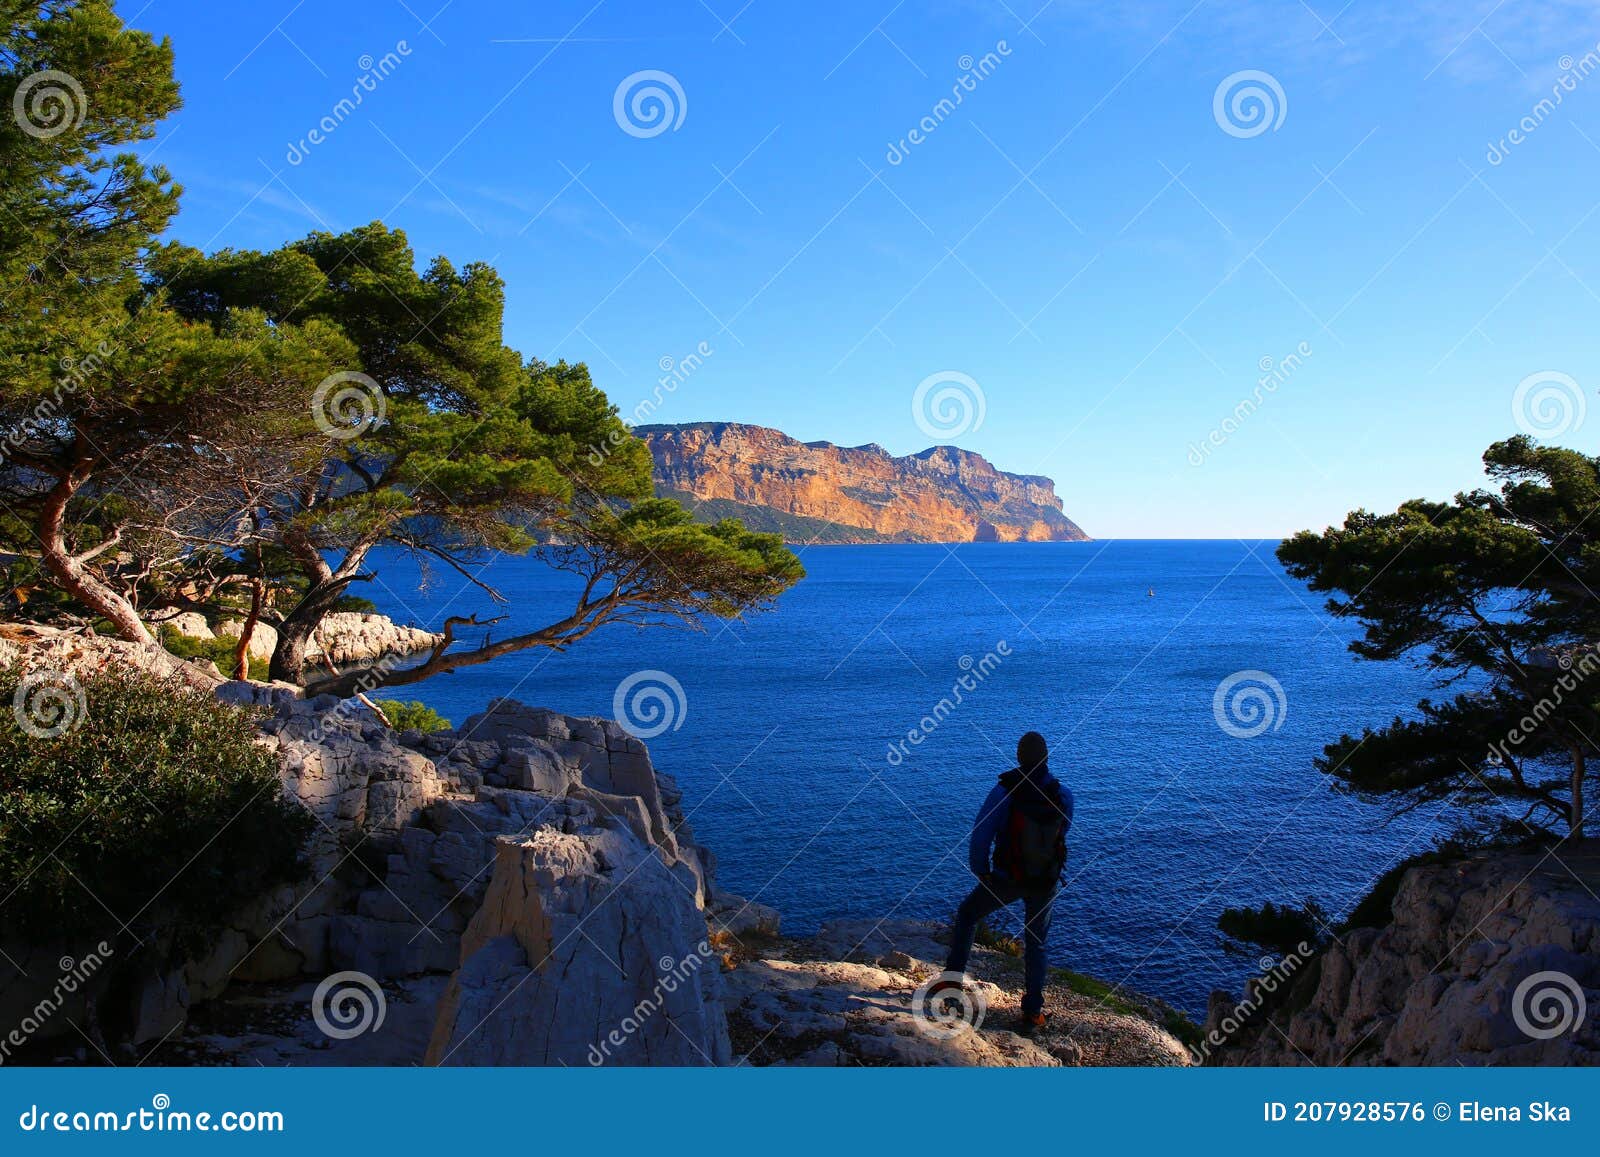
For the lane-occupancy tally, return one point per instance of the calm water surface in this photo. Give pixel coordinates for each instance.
(1116, 650)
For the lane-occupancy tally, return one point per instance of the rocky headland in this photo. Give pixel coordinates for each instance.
(818, 492)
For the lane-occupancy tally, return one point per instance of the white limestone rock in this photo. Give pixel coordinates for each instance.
(190, 624)
(586, 950)
(346, 637)
(263, 636)
(1449, 978)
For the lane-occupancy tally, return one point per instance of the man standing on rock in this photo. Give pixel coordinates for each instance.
(1022, 828)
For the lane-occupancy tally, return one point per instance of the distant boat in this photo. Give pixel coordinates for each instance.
(1151, 593)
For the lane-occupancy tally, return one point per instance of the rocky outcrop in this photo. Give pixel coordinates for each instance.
(826, 493)
(433, 864)
(526, 890)
(81, 655)
(1490, 961)
(588, 948)
(856, 994)
(537, 857)
(344, 637)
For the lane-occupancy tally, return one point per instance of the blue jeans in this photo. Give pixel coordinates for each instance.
(987, 899)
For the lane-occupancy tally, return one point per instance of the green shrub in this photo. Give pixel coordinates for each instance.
(412, 716)
(1280, 927)
(219, 651)
(155, 808)
(986, 936)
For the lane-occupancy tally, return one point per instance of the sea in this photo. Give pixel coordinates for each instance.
(834, 751)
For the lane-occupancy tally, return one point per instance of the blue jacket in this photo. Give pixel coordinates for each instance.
(992, 820)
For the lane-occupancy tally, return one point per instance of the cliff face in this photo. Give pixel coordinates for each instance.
(1492, 961)
(854, 494)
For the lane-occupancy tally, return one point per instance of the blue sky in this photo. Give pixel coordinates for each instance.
(1106, 253)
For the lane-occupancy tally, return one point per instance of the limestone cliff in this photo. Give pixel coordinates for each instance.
(819, 492)
(1493, 960)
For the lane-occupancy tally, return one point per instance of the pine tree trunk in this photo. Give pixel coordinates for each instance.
(71, 575)
(241, 653)
(289, 661)
(294, 638)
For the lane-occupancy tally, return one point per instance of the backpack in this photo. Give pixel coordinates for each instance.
(1031, 850)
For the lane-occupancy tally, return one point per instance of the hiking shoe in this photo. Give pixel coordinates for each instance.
(945, 989)
(1031, 1023)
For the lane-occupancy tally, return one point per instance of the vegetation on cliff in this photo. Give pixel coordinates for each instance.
(1494, 589)
(140, 806)
(240, 431)
(411, 715)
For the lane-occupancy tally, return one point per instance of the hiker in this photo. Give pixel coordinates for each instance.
(1024, 824)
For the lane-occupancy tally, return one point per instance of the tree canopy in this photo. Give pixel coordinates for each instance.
(205, 430)
(1496, 591)
(111, 407)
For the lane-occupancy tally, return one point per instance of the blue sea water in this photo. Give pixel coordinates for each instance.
(784, 740)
